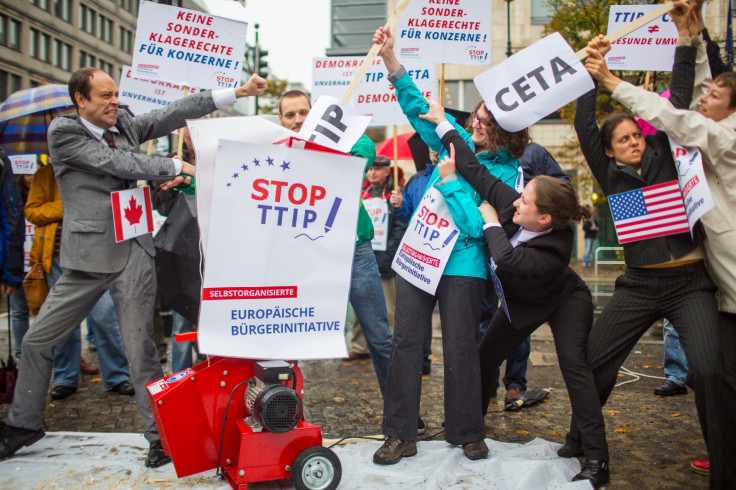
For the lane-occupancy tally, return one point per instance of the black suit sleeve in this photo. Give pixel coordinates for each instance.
(589, 136)
(717, 66)
(683, 77)
(498, 194)
(525, 259)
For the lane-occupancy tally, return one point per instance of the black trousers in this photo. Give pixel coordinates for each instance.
(459, 300)
(685, 296)
(570, 323)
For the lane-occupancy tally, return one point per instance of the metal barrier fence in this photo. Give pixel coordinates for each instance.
(607, 262)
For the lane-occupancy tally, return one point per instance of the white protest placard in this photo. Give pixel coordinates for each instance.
(691, 177)
(143, 96)
(187, 47)
(377, 209)
(132, 213)
(533, 83)
(375, 96)
(23, 164)
(206, 134)
(651, 47)
(447, 31)
(427, 243)
(333, 124)
(27, 243)
(281, 240)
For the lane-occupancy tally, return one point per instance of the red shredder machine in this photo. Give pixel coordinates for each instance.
(244, 417)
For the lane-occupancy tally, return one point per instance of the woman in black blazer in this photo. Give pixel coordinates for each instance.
(530, 241)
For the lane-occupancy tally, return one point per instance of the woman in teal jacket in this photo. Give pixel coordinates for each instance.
(459, 291)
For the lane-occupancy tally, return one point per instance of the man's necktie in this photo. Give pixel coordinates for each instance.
(107, 136)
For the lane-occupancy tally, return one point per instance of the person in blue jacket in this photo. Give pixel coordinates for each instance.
(12, 229)
(459, 291)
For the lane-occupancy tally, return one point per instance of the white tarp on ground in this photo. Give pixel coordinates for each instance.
(103, 460)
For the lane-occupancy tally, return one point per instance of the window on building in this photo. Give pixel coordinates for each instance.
(62, 55)
(125, 4)
(42, 4)
(125, 38)
(541, 12)
(9, 83)
(39, 44)
(9, 32)
(353, 25)
(87, 19)
(105, 29)
(63, 9)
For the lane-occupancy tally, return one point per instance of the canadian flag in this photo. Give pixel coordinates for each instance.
(132, 213)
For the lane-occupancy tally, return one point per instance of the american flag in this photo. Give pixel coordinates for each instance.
(649, 212)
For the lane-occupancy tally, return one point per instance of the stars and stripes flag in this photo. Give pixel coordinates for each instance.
(649, 212)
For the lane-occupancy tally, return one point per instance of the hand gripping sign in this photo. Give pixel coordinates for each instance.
(427, 243)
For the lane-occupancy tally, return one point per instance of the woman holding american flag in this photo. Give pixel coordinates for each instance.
(665, 275)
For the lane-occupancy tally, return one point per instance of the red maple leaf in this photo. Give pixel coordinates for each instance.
(133, 212)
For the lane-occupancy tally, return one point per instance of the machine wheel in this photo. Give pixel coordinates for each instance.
(316, 468)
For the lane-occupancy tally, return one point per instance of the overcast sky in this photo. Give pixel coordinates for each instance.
(293, 32)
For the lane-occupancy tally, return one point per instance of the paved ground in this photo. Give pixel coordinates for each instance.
(652, 439)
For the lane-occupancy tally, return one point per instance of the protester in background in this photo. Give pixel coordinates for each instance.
(387, 234)
(710, 345)
(675, 363)
(590, 231)
(665, 276)
(366, 293)
(12, 230)
(18, 307)
(97, 151)
(377, 188)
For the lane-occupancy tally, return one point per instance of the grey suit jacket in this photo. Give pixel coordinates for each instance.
(87, 171)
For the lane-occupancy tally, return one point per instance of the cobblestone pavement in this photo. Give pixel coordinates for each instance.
(652, 439)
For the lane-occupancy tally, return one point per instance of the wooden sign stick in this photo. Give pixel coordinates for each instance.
(396, 159)
(632, 26)
(368, 60)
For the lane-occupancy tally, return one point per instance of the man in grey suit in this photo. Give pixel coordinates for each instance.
(94, 153)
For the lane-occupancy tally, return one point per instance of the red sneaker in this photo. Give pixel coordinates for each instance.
(701, 466)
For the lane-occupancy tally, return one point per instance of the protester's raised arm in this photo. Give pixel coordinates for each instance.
(254, 86)
(383, 36)
(597, 67)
